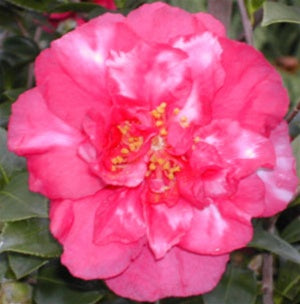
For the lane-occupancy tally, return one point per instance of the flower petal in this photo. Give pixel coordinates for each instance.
(119, 217)
(213, 232)
(252, 93)
(64, 97)
(82, 256)
(282, 181)
(179, 273)
(166, 225)
(93, 42)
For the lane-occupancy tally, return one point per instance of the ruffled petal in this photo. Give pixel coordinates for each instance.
(213, 232)
(37, 130)
(252, 93)
(246, 150)
(64, 97)
(82, 256)
(93, 41)
(282, 181)
(119, 217)
(166, 225)
(148, 74)
(149, 22)
(178, 274)
(206, 22)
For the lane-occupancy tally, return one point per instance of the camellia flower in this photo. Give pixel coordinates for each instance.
(157, 139)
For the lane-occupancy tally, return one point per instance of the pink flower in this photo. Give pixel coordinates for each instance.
(157, 139)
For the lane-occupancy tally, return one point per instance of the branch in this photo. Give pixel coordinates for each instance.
(267, 271)
(246, 22)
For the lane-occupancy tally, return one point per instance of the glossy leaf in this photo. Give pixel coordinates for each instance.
(277, 12)
(18, 203)
(29, 237)
(4, 267)
(16, 293)
(288, 279)
(291, 233)
(9, 162)
(237, 286)
(23, 265)
(296, 147)
(4, 113)
(40, 6)
(55, 286)
(267, 241)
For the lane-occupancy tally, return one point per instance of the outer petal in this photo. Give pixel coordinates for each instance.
(119, 217)
(212, 232)
(81, 255)
(51, 148)
(243, 148)
(64, 97)
(34, 129)
(149, 21)
(255, 83)
(93, 42)
(282, 181)
(178, 274)
(166, 225)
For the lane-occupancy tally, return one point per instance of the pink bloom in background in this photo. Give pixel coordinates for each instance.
(157, 139)
(56, 18)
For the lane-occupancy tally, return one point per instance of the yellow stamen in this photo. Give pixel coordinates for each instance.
(159, 123)
(163, 132)
(167, 165)
(196, 139)
(152, 167)
(117, 160)
(124, 151)
(156, 114)
(176, 111)
(160, 161)
(183, 119)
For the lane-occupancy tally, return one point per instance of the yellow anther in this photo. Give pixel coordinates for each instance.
(156, 114)
(124, 129)
(176, 111)
(117, 160)
(160, 161)
(183, 119)
(124, 151)
(171, 176)
(163, 132)
(175, 169)
(159, 123)
(113, 168)
(167, 165)
(196, 139)
(163, 105)
(152, 167)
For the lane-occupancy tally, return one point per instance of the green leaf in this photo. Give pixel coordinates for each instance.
(253, 6)
(29, 237)
(192, 6)
(75, 7)
(40, 5)
(16, 293)
(4, 268)
(9, 162)
(237, 286)
(277, 12)
(267, 241)
(4, 113)
(288, 279)
(296, 148)
(20, 50)
(18, 203)
(291, 233)
(23, 265)
(54, 286)
(13, 94)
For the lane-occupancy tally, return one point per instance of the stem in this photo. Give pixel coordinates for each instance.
(292, 115)
(267, 271)
(246, 22)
